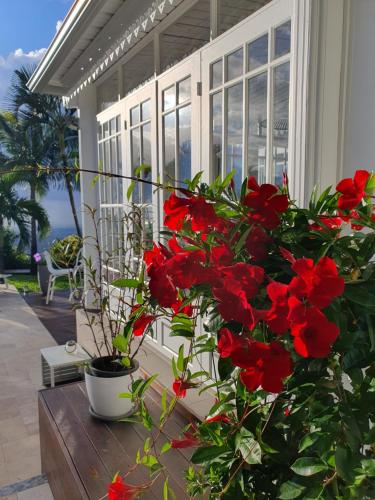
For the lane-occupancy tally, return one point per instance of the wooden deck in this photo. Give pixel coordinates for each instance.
(80, 454)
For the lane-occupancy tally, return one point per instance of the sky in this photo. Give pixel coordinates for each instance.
(27, 28)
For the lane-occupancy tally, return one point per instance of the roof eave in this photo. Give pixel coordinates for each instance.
(40, 80)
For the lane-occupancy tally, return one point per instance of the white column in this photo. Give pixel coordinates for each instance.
(88, 160)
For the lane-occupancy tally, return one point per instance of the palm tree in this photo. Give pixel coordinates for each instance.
(28, 145)
(20, 212)
(62, 122)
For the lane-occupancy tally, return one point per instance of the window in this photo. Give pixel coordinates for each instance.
(176, 123)
(111, 192)
(108, 92)
(249, 108)
(140, 152)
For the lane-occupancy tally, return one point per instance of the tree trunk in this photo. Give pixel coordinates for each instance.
(69, 187)
(68, 182)
(34, 241)
(2, 257)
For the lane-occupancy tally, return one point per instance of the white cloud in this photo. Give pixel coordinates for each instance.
(13, 61)
(59, 24)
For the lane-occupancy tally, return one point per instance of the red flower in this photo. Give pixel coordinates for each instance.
(257, 243)
(352, 190)
(185, 269)
(233, 304)
(266, 367)
(218, 418)
(141, 323)
(313, 334)
(266, 204)
(118, 490)
(277, 316)
(202, 213)
(162, 288)
(179, 387)
(320, 283)
(175, 210)
(247, 276)
(188, 441)
(178, 308)
(228, 342)
(326, 224)
(221, 255)
(287, 255)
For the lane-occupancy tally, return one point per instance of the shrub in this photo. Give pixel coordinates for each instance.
(65, 251)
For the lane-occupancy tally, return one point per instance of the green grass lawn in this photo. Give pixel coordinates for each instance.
(22, 281)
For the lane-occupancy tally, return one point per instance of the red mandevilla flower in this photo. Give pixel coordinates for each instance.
(180, 386)
(352, 190)
(326, 224)
(319, 283)
(224, 419)
(188, 441)
(228, 343)
(118, 490)
(265, 203)
(257, 243)
(266, 366)
(277, 316)
(313, 334)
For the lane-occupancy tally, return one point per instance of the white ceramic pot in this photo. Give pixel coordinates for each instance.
(103, 393)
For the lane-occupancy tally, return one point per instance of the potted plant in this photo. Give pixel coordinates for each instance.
(43, 273)
(287, 296)
(113, 319)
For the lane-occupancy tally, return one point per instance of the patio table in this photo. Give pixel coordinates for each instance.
(58, 365)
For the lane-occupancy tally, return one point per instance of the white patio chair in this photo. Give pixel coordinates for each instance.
(77, 270)
(56, 272)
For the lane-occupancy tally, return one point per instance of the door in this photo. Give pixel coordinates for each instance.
(179, 147)
(246, 82)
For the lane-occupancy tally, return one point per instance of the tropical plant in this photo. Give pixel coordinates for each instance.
(62, 124)
(26, 148)
(65, 251)
(282, 299)
(18, 211)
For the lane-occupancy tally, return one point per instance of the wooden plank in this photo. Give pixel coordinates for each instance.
(92, 473)
(114, 453)
(56, 461)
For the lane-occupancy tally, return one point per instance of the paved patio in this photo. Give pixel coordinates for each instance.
(21, 336)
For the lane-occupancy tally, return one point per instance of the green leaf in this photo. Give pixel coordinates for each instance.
(181, 359)
(166, 446)
(120, 343)
(130, 190)
(344, 464)
(179, 332)
(248, 446)
(308, 466)
(308, 441)
(206, 454)
(290, 490)
(360, 295)
(371, 330)
(125, 283)
(368, 467)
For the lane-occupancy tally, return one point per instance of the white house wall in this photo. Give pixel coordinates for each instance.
(359, 146)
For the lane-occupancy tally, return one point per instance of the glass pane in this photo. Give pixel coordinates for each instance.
(146, 160)
(235, 64)
(280, 122)
(112, 126)
(169, 132)
(114, 181)
(107, 181)
(136, 161)
(184, 90)
(146, 110)
(118, 123)
(282, 39)
(257, 132)
(216, 74)
(105, 130)
(99, 132)
(217, 130)
(134, 115)
(258, 52)
(234, 133)
(100, 168)
(169, 98)
(119, 170)
(184, 142)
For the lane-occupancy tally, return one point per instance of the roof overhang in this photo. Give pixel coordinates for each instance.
(79, 14)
